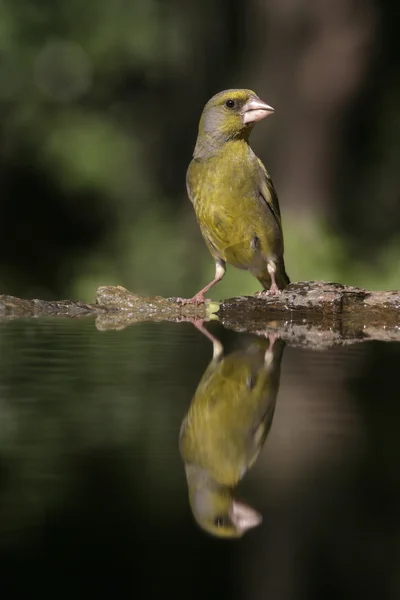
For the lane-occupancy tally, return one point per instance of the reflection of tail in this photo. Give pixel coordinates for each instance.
(281, 277)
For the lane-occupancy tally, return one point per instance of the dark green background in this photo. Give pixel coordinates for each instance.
(99, 110)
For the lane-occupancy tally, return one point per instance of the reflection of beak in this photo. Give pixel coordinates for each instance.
(254, 110)
(244, 517)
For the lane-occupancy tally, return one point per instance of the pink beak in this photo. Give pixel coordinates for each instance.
(254, 110)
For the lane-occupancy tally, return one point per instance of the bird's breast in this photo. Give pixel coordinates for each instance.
(234, 222)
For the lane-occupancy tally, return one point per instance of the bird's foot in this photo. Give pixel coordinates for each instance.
(196, 300)
(180, 300)
(272, 336)
(273, 291)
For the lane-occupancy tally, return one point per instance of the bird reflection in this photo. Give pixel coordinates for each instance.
(225, 428)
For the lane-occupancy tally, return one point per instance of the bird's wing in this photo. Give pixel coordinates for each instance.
(192, 180)
(268, 193)
(189, 190)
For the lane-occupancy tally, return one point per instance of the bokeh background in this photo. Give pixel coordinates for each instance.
(99, 111)
(100, 102)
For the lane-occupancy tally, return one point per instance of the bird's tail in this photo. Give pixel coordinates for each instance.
(281, 277)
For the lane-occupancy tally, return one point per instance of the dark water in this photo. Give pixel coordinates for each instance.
(93, 493)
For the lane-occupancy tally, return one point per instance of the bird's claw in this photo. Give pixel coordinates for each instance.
(273, 291)
(196, 300)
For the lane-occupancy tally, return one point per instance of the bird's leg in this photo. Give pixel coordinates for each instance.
(273, 289)
(271, 270)
(218, 349)
(220, 271)
(272, 336)
(269, 355)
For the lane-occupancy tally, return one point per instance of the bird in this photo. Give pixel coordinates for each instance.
(233, 196)
(225, 428)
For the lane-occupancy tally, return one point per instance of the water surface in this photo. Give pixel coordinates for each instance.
(93, 492)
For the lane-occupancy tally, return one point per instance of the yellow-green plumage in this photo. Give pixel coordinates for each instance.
(233, 196)
(224, 430)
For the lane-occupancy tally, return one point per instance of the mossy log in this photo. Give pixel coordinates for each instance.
(315, 313)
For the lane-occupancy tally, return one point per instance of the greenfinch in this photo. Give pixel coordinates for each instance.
(234, 199)
(224, 430)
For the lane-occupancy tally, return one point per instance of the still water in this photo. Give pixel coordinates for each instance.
(134, 464)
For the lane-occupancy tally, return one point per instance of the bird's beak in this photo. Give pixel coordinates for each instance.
(244, 517)
(254, 110)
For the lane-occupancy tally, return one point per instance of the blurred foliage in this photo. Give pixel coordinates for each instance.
(99, 118)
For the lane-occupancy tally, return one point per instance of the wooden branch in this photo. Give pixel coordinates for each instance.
(316, 314)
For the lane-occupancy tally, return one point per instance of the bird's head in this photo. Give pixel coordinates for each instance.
(219, 514)
(232, 114)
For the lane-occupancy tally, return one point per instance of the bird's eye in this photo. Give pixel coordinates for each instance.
(219, 521)
(230, 103)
